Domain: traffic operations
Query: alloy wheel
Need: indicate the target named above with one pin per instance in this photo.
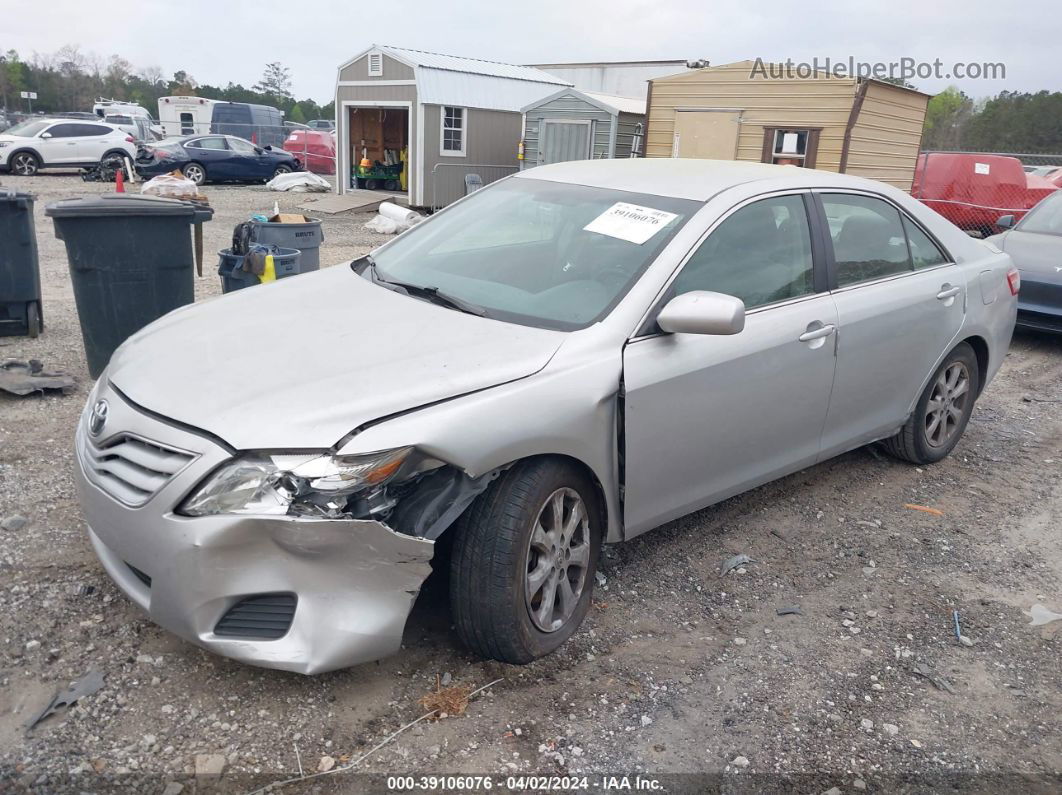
(24, 164)
(195, 173)
(558, 559)
(947, 404)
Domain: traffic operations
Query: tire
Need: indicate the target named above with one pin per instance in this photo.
(33, 320)
(282, 169)
(195, 172)
(115, 153)
(391, 185)
(24, 164)
(942, 412)
(372, 184)
(497, 610)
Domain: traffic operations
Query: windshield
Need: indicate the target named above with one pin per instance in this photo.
(1045, 218)
(27, 129)
(540, 253)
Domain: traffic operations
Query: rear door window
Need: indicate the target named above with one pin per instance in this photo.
(924, 252)
(64, 130)
(868, 238)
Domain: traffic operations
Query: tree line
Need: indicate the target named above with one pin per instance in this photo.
(72, 80)
(1011, 121)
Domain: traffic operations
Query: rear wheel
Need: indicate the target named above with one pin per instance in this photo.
(195, 172)
(24, 164)
(33, 320)
(942, 412)
(523, 561)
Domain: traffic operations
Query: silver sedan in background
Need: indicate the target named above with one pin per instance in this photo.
(569, 357)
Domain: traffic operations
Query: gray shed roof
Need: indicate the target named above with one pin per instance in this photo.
(454, 63)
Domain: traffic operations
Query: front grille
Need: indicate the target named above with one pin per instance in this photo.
(131, 469)
(263, 617)
(144, 578)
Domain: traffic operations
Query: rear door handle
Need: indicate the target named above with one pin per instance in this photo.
(949, 292)
(817, 334)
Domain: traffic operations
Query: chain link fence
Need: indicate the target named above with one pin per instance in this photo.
(974, 190)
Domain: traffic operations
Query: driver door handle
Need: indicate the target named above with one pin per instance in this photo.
(817, 334)
(950, 292)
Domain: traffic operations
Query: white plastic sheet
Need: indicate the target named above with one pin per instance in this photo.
(300, 182)
(393, 219)
(170, 186)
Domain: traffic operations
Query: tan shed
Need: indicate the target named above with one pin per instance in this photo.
(851, 125)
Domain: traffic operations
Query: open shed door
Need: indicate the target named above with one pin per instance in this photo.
(564, 140)
(711, 134)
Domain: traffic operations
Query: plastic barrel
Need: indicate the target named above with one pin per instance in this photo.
(306, 237)
(233, 277)
(20, 279)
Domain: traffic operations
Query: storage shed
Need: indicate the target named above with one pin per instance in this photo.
(850, 125)
(582, 125)
(443, 116)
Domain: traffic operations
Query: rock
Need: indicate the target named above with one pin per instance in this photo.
(12, 523)
(859, 784)
(891, 729)
(209, 764)
(646, 720)
(446, 679)
(866, 652)
(916, 744)
(739, 761)
(173, 788)
(434, 750)
(867, 724)
(148, 740)
(167, 709)
(326, 764)
(577, 751)
(833, 791)
(740, 641)
(145, 659)
(33, 645)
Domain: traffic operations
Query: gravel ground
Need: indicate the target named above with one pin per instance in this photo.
(679, 674)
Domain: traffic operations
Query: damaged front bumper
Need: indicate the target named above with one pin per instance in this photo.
(294, 593)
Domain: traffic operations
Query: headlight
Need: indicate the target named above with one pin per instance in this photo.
(313, 484)
(4, 143)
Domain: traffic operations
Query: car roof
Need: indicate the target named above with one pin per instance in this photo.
(684, 178)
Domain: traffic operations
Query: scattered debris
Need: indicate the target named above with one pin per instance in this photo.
(792, 610)
(924, 509)
(444, 701)
(300, 182)
(85, 686)
(740, 761)
(1031, 399)
(23, 378)
(602, 580)
(209, 764)
(965, 641)
(939, 682)
(16, 522)
(1040, 615)
(326, 764)
(733, 563)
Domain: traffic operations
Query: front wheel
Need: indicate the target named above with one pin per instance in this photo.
(523, 562)
(25, 164)
(281, 170)
(942, 412)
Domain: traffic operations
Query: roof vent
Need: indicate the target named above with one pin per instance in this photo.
(375, 64)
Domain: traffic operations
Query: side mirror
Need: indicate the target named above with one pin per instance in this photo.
(1005, 221)
(258, 150)
(702, 312)
(46, 135)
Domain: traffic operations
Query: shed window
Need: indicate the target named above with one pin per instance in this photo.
(452, 137)
(788, 146)
(375, 64)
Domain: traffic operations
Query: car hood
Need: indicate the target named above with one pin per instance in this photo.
(302, 362)
(1037, 256)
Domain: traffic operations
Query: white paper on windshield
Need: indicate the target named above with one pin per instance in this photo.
(981, 168)
(630, 222)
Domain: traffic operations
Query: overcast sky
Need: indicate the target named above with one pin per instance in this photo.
(218, 41)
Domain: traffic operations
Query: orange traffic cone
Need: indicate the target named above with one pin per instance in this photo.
(119, 181)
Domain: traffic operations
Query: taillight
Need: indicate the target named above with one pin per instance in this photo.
(130, 139)
(1014, 280)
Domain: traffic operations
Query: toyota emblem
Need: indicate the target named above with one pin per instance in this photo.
(98, 418)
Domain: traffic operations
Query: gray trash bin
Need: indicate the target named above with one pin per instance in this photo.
(234, 277)
(20, 279)
(131, 262)
(306, 237)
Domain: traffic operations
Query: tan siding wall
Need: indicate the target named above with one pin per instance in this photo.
(392, 70)
(824, 103)
(493, 136)
(887, 135)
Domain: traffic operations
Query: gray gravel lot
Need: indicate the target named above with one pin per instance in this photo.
(677, 670)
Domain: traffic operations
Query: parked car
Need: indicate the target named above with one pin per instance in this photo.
(322, 124)
(314, 149)
(1035, 245)
(34, 144)
(568, 357)
(214, 158)
(973, 190)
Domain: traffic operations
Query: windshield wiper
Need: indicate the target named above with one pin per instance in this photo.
(432, 294)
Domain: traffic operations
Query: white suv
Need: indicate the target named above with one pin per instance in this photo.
(61, 143)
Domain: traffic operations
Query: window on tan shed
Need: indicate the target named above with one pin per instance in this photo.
(790, 146)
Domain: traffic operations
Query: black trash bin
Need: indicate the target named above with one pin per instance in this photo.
(131, 262)
(20, 278)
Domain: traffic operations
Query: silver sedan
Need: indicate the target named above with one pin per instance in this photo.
(569, 357)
